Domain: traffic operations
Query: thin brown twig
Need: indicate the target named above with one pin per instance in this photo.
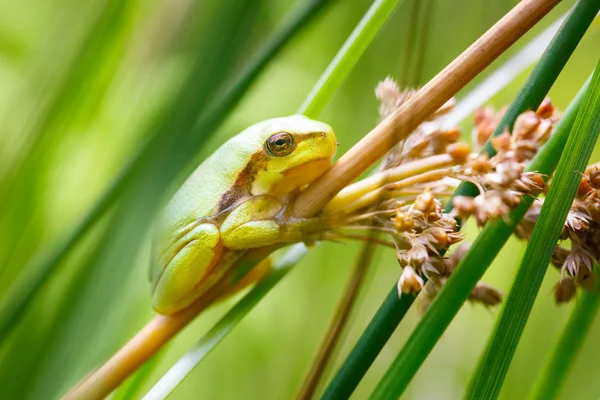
(101, 382)
(423, 104)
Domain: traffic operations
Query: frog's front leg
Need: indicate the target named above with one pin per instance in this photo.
(252, 224)
(257, 223)
(192, 259)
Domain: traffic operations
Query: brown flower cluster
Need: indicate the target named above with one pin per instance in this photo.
(501, 179)
(410, 211)
(581, 231)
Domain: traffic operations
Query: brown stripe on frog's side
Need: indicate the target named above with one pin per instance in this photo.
(243, 184)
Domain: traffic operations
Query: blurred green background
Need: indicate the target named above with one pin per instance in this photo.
(83, 85)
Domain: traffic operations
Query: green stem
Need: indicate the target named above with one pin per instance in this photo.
(370, 343)
(347, 56)
(489, 376)
(554, 374)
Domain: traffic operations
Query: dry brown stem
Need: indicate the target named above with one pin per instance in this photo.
(422, 104)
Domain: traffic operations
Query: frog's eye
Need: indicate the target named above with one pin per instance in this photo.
(280, 144)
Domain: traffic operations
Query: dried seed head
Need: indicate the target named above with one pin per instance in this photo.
(481, 164)
(593, 209)
(464, 206)
(459, 152)
(388, 93)
(417, 256)
(425, 202)
(586, 279)
(457, 255)
(526, 125)
(533, 183)
(577, 222)
(593, 174)
(485, 294)
(451, 135)
(485, 122)
(409, 282)
(403, 221)
(565, 290)
(440, 237)
(585, 188)
(559, 256)
(525, 150)
(546, 109)
(502, 142)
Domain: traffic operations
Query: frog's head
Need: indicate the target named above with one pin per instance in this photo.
(290, 153)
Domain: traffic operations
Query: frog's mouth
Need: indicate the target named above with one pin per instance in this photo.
(301, 175)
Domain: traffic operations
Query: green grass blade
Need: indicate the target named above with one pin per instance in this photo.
(40, 270)
(225, 325)
(347, 56)
(571, 339)
(489, 377)
(471, 268)
(368, 346)
(92, 300)
(530, 96)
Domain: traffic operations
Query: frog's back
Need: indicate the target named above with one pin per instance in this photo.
(200, 195)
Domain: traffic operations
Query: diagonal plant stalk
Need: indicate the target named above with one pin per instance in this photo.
(393, 309)
(431, 97)
(348, 55)
(489, 376)
(422, 104)
(571, 339)
(16, 302)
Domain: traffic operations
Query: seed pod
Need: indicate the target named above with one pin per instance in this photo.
(593, 209)
(526, 125)
(565, 290)
(559, 256)
(486, 294)
(501, 143)
(440, 237)
(403, 221)
(593, 174)
(409, 282)
(425, 202)
(546, 109)
(417, 256)
(464, 206)
(459, 152)
(584, 189)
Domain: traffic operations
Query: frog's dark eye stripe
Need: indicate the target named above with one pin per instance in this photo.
(280, 144)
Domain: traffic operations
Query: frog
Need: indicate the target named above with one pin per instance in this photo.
(238, 199)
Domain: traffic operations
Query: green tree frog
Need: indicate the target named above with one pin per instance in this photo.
(236, 200)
